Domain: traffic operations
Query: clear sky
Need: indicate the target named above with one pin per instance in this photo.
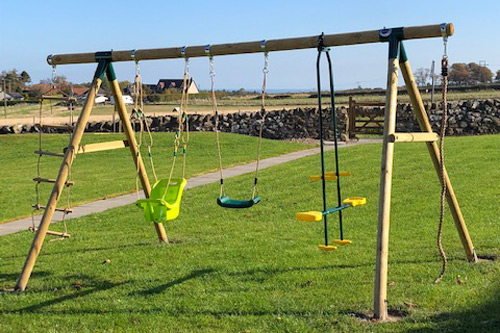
(31, 30)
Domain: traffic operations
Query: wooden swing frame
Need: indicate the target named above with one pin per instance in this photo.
(397, 60)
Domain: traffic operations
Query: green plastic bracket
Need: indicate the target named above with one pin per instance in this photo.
(110, 72)
(101, 69)
(402, 54)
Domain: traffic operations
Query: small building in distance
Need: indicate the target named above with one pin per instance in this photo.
(173, 84)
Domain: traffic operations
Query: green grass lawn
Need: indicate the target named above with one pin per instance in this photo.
(259, 269)
(109, 173)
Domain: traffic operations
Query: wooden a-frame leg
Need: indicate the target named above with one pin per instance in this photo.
(384, 209)
(41, 232)
(425, 126)
(129, 132)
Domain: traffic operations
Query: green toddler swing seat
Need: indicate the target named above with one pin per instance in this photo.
(160, 206)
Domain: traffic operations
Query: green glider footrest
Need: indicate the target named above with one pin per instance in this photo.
(227, 202)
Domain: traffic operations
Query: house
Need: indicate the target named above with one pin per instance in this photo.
(165, 84)
(16, 96)
(82, 96)
(174, 84)
(5, 96)
(80, 91)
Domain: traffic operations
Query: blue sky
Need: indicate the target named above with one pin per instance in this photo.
(33, 29)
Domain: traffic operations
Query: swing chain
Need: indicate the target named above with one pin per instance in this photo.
(54, 75)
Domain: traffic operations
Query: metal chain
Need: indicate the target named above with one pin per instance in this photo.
(442, 134)
(54, 76)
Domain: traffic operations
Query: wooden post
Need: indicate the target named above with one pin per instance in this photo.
(37, 243)
(425, 126)
(384, 209)
(351, 118)
(129, 132)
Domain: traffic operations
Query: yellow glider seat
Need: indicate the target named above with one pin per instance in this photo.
(330, 175)
(316, 216)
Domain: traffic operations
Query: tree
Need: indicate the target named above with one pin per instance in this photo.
(124, 85)
(25, 77)
(497, 77)
(480, 74)
(459, 74)
(422, 76)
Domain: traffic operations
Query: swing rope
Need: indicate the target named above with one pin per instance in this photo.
(263, 115)
(216, 117)
(442, 134)
(262, 120)
(139, 115)
(182, 133)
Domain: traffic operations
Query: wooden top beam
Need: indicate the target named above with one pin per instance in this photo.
(350, 38)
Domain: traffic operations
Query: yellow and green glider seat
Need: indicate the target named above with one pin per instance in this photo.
(160, 206)
(316, 216)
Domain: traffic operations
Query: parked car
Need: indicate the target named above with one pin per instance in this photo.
(127, 99)
(101, 100)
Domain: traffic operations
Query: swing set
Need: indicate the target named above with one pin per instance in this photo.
(163, 198)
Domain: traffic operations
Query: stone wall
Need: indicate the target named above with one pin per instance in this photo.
(465, 118)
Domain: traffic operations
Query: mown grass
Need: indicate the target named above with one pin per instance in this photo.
(109, 173)
(259, 269)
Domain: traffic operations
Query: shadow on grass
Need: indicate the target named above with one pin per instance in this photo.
(275, 271)
(82, 250)
(100, 286)
(161, 288)
(12, 277)
(483, 318)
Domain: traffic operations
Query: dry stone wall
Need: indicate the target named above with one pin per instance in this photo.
(465, 118)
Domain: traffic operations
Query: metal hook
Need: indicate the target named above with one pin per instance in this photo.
(445, 40)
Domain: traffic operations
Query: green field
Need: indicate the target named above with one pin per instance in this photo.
(259, 270)
(104, 174)
(250, 102)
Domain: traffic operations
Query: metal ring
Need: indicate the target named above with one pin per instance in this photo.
(207, 50)
(183, 51)
(132, 54)
(384, 33)
(50, 58)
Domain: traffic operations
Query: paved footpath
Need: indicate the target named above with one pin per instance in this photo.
(127, 199)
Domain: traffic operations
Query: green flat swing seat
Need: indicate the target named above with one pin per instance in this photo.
(227, 202)
(160, 206)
